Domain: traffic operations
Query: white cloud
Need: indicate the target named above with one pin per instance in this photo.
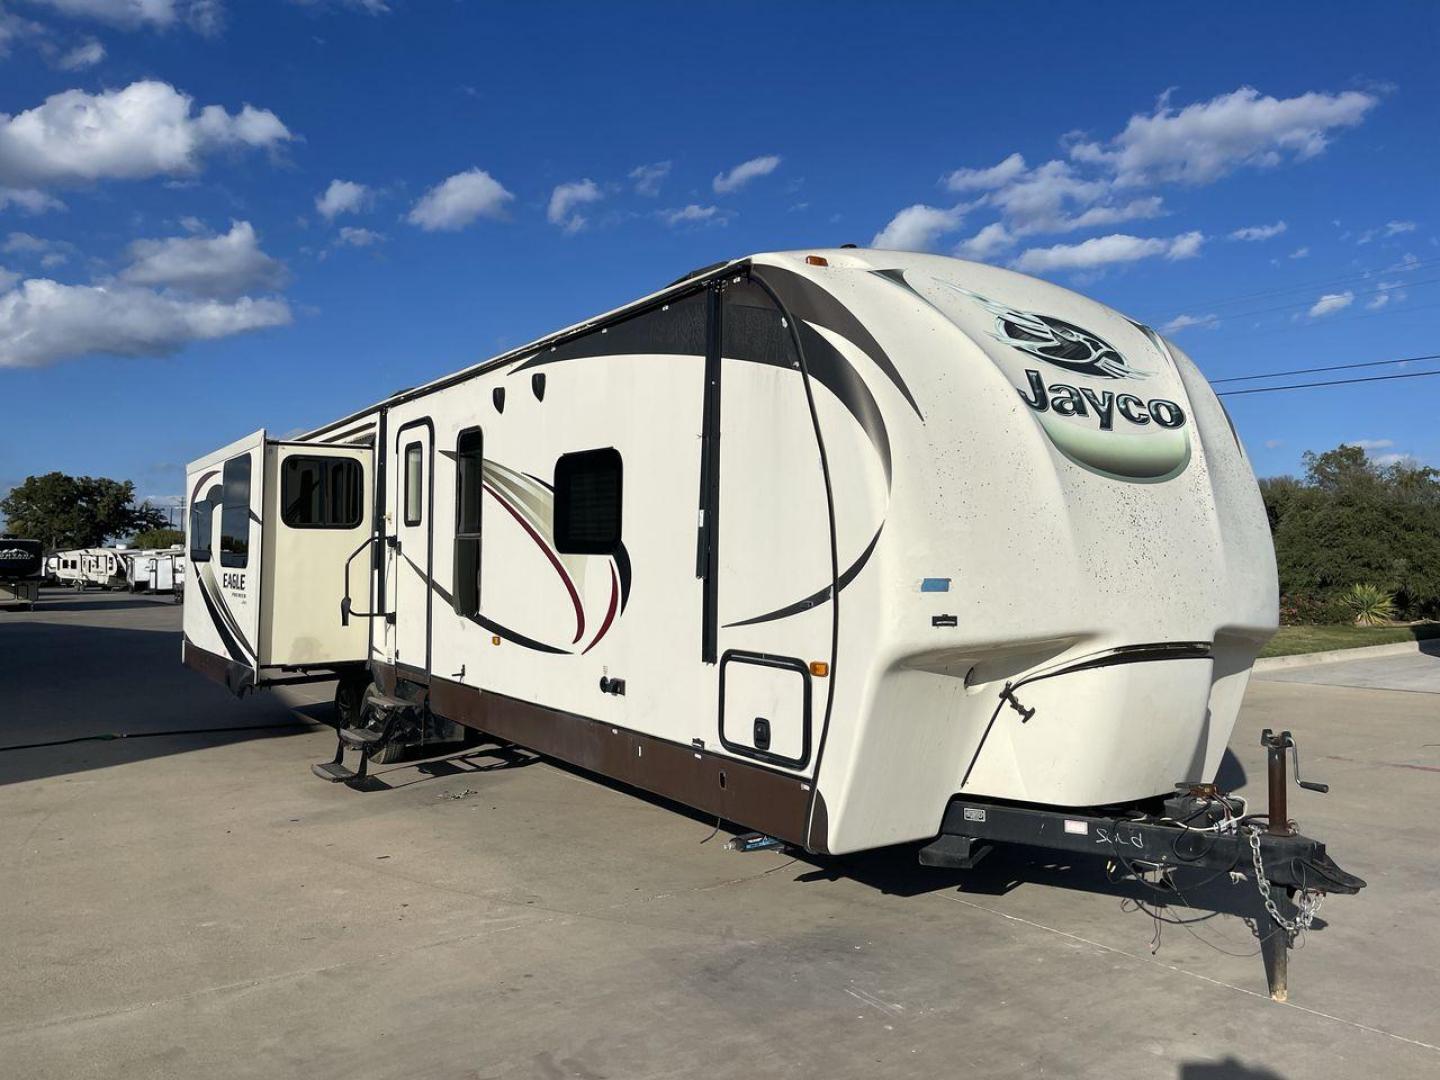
(147, 129)
(458, 201)
(1300, 253)
(1204, 141)
(24, 243)
(370, 7)
(988, 241)
(1386, 231)
(1274, 444)
(746, 171)
(353, 237)
(1106, 250)
(693, 214)
(1371, 444)
(44, 321)
(565, 201)
(203, 16)
(82, 56)
(648, 178)
(916, 228)
(29, 200)
(1331, 303)
(985, 179)
(342, 197)
(7, 279)
(1186, 322)
(226, 265)
(1259, 232)
(1386, 460)
(1385, 292)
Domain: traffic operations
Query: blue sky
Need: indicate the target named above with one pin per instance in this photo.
(180, 265)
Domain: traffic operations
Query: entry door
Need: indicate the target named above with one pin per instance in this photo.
(412, 547)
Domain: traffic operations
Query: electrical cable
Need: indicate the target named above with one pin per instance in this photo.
(1335, 382)
(1330, 367)
(114, 736)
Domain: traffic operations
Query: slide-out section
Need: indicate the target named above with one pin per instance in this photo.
(269, 529)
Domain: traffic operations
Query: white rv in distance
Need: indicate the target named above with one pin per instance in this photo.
(155, 571)
(832, 544)
(104, 568)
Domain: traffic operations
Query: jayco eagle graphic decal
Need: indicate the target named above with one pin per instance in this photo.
(1056, 341)
(1107, 412)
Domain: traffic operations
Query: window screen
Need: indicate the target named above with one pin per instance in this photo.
(588, 502)
(414, 484)
(235, 513)
(321, 492)
(469, 487)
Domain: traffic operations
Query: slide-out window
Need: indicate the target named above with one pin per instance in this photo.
(235, 513)
(588, 496)
(414, 484)
(321, 492)
(469, 486)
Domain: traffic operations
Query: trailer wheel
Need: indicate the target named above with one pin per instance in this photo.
(350, 706)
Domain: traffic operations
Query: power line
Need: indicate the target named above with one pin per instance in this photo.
(1333, 382)
(1332, 367)
(1239, 298)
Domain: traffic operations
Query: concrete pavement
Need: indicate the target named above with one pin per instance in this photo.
(199, 905)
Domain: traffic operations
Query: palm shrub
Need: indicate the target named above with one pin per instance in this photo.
(1370, 604)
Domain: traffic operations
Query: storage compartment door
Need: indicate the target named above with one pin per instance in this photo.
(765, 707)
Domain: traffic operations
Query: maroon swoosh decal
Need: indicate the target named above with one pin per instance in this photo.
(554, 561)
(609, 615)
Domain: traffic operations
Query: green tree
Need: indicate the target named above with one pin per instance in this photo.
(76, 511)
(1351, 521)
(158, 538)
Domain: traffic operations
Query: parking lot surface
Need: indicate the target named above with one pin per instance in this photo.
(198, 905)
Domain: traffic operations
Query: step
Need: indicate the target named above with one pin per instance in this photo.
(361, 737)
(333, 771)
(385, 701)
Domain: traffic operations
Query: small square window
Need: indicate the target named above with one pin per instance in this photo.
(588, 502)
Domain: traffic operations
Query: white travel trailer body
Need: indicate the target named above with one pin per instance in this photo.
(818, 542)
(157, 571)
(106, 568)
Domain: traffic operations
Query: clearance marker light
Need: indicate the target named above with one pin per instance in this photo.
(494, 639)
(819, 668)
(817, 260)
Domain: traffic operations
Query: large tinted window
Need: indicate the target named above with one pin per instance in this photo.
(235, 513)
(414, 484)
(588, 497)
(202, 524)
(469, 487)
(321, 492)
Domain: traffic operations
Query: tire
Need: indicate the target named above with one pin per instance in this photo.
(350, 696)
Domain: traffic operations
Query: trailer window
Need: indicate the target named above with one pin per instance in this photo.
(414, 477)
(235, 513)
(588, 490)
(321, 492)
(469, 486)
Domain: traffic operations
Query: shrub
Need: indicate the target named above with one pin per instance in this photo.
(1370, 604)
(1313, 609)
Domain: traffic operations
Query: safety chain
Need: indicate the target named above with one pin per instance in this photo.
(1309, 902)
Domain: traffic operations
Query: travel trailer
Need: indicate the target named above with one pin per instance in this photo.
(22, 565)
(105, 568)
(158, 571)
(854, 548)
